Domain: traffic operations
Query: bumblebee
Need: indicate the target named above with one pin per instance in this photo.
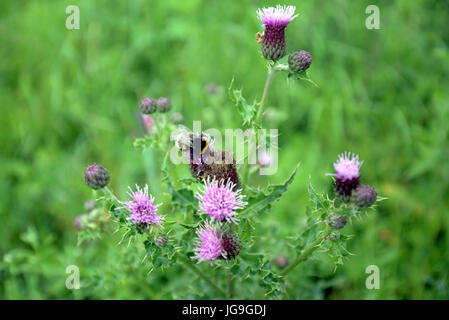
(192, 143)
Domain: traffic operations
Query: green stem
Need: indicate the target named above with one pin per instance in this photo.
(198, 272)
(108, 191)
(230, 284)
(266, 89)
(307, 252)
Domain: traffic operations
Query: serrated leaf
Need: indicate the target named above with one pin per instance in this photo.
(263, 200)
(246, 110)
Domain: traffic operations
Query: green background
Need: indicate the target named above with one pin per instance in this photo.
(69, 98)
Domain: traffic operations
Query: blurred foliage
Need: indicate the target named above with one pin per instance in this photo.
(69, 98)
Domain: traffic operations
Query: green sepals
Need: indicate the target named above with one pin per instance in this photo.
(303, 75)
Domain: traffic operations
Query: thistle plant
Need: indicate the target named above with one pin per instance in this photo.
(208, 222)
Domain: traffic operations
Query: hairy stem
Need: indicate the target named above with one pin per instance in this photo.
(266, 89)
(305, 254)
(198, 272)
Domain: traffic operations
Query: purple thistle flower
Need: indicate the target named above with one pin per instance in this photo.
(147, 122)
(141, 208)
(275, 20)
(347, 172)
(209, 244)
(220, 201)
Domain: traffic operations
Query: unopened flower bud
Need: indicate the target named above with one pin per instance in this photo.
(161, 241)
(90, 205)
(78, 222)
(96, 176)
(148, 105)
(163, 104)
(299, 61)
(231, 245)
(176, 118)
(337, 221)
(364, 195)
(334, 236)
(281, 261)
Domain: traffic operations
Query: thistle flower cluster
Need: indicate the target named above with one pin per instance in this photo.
(273, 43)
(347, 181)
(220, 202)
(150, 105)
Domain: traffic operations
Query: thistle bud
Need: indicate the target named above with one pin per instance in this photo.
(147, 123)
(90, 205)
(96, 176)
(364, 196)
(281, 261)
(161, 241)
(163, 104)
(334, 236)
(337, 221)
(78, 221)
(231, 245)
(299, 61)
(148, 105)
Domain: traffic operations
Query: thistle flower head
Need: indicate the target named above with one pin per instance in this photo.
(96, 176)
(90, 205)
(161, 241)
(281, 261)
(209, 243)
(231, 245)
(299, 61)
(364, 196)
(280, 16)
(275, 20)
(141, 208)
(347, 172)
(163, 104)
(337, 221)
(148, 105)
(147, 122)
(219, 200)
(79, 221)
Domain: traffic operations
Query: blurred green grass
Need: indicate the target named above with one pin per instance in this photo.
(68, 98)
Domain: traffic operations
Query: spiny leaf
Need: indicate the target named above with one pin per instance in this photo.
(263, 201)
(246, 110)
